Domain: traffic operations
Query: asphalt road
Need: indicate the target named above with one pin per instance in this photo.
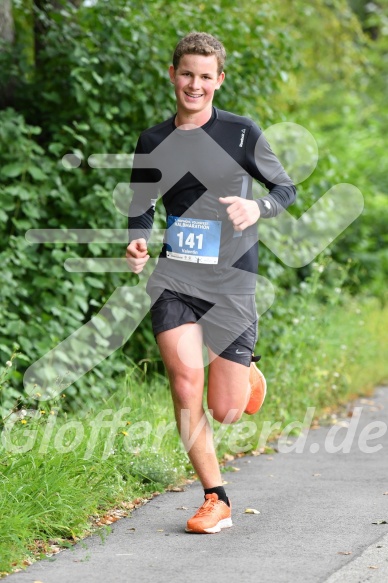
(316, 522)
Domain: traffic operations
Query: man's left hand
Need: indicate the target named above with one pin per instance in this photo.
(242, 212)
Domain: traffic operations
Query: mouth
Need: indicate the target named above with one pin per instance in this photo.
(194, 95)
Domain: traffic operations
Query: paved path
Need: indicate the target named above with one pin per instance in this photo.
(313, 507)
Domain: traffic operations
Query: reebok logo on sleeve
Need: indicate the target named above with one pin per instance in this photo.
(242, 138)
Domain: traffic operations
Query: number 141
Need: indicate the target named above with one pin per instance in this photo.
(190, 240)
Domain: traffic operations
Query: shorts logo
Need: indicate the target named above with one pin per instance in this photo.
(238, 352)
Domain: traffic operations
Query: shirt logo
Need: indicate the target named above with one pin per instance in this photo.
(242, 138)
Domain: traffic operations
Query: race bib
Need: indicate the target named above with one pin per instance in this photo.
(194, 240)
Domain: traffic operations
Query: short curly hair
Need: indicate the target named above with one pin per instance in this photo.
(200, 43)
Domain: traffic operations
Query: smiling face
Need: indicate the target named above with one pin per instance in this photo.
(195, 81)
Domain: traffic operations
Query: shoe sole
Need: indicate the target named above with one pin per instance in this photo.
(265, 393)
(265, 390)
(225, 523)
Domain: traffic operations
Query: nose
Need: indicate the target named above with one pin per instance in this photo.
(195, 82)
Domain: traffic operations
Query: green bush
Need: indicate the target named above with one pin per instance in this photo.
(99, 77)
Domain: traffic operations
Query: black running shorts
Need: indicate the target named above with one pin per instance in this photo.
(229, 322)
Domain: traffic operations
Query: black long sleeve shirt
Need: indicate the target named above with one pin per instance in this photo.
(190, 170)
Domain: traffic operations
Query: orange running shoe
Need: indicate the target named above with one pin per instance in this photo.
(213, 515)
(258, 390)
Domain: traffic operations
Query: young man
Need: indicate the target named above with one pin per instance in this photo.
(202, 161)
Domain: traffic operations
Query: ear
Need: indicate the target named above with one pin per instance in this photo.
(220, 80)
(171, 72)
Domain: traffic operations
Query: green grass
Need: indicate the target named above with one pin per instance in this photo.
(319, 355)
(48, 493)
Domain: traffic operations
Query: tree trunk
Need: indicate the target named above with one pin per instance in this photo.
(7, 35)
(7, 32)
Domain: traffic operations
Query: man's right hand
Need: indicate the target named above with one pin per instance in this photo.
(137, 255)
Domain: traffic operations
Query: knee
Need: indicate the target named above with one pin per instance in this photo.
(224, 414)
(186, 388)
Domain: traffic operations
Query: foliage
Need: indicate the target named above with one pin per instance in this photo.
(350, 133)
(341, 100)
(96, 79)
(40, 302)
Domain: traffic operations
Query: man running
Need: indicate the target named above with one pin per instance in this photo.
(202, 162)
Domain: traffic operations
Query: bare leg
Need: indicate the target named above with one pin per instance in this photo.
(187, 384)
(228, 390)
